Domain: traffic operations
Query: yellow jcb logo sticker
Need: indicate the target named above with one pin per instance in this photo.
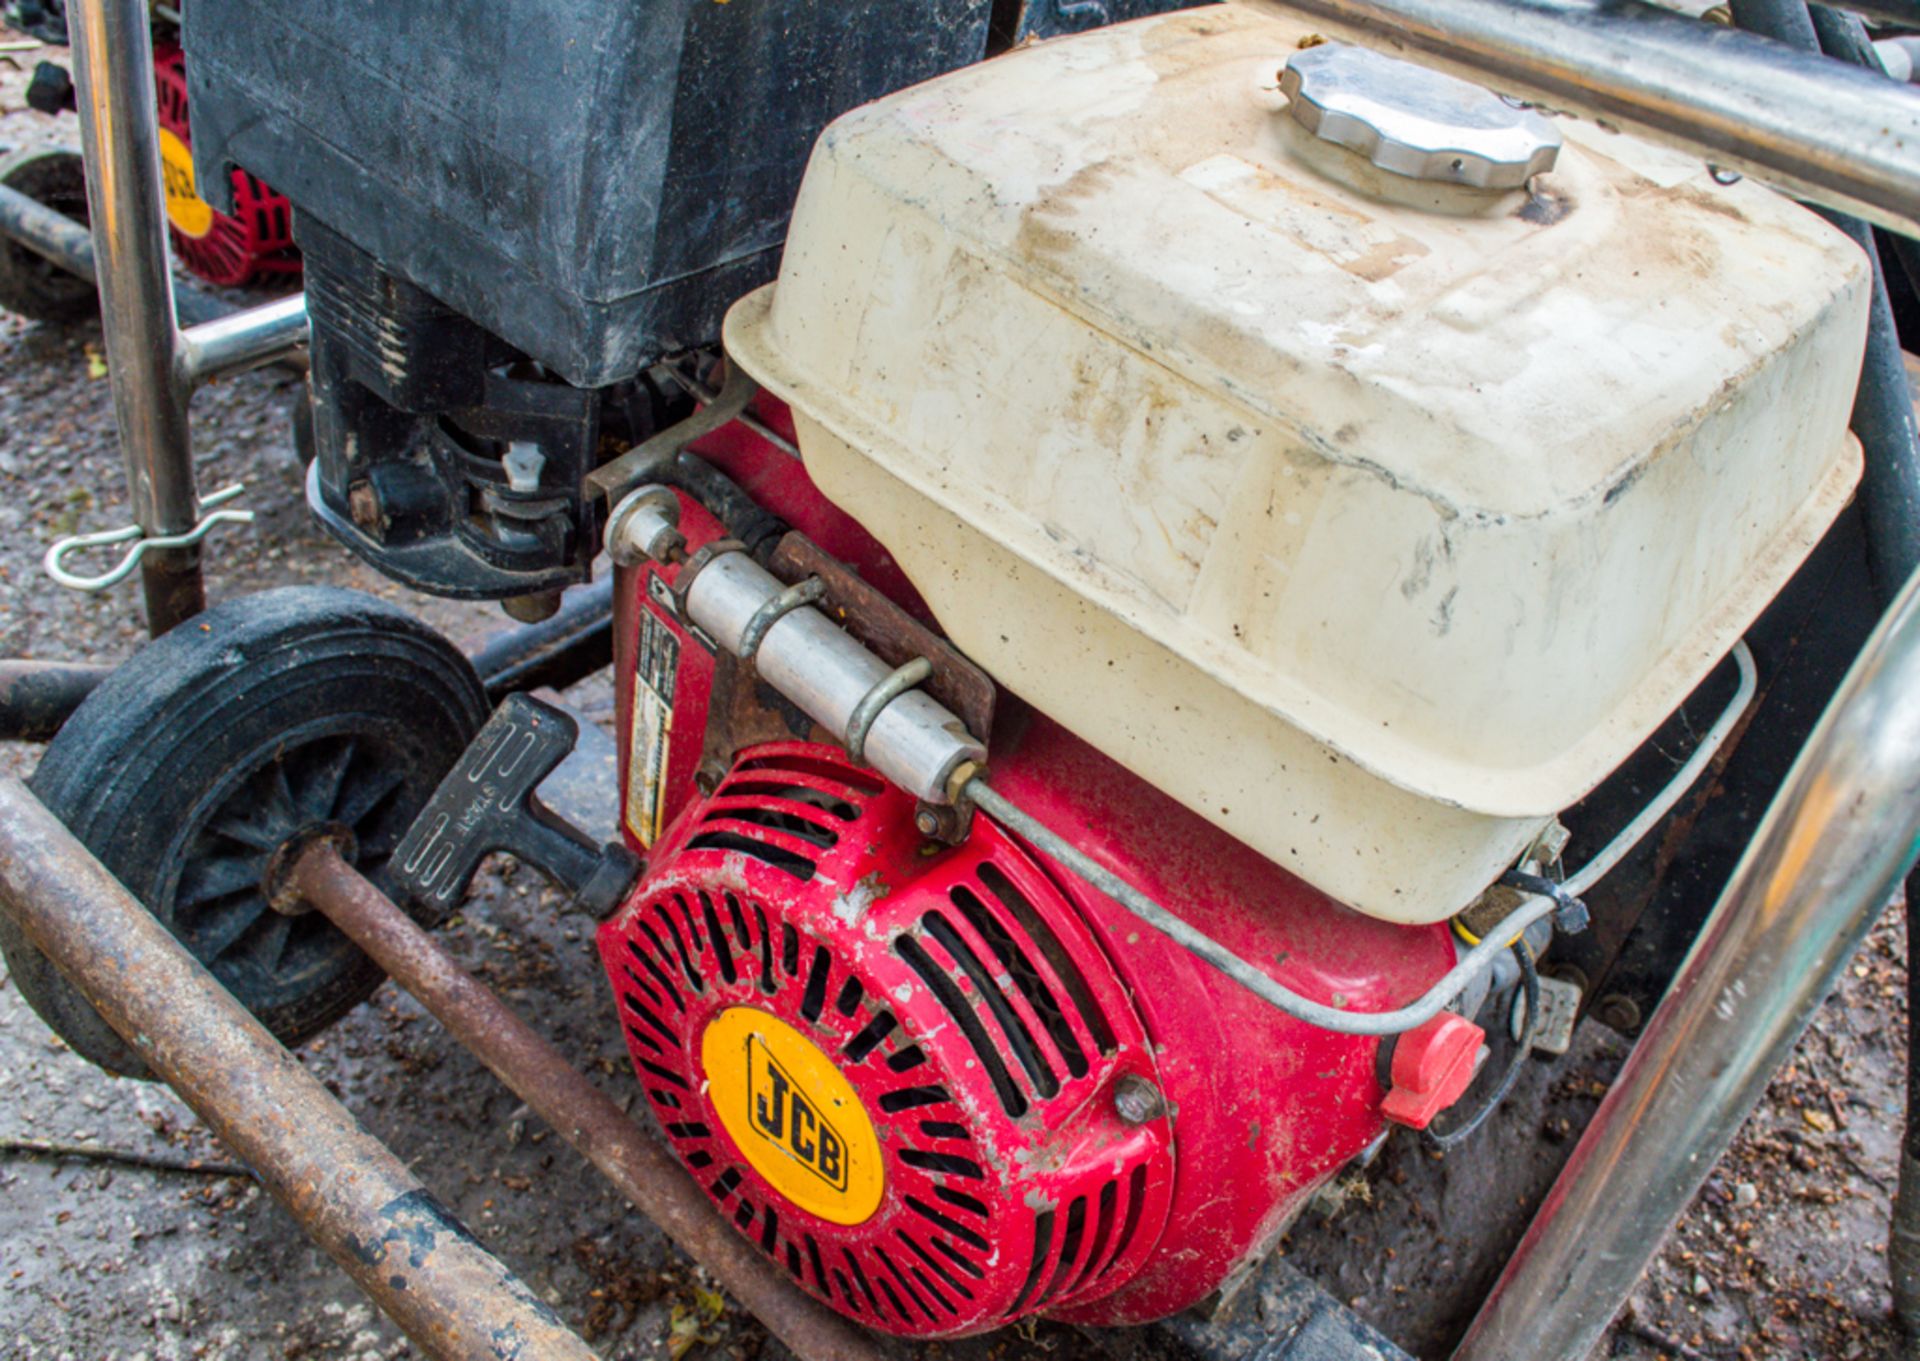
(784, 1115)
(793, 1115)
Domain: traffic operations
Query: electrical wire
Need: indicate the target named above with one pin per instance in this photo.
(1442, 1140)
(1683, 779)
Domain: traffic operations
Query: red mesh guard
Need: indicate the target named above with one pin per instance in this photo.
(979, 1024)
(257, 240)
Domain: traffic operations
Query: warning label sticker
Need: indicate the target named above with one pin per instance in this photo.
(656, 664)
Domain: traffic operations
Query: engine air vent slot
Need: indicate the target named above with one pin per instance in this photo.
(948, 993)
(1034, 927)
(749, 842)
(854, 781)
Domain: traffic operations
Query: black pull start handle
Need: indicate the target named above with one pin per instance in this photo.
(487, 803)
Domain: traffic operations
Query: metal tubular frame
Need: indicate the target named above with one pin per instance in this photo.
(1818, 129)
(37, 697)
(346, 1189)
(1836, 842)
(579, 1112)
(154, 366)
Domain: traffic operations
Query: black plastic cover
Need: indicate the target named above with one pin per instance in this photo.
(594, 181)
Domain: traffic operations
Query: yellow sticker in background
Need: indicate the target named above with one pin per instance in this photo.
(793, 1114)
(190, 214)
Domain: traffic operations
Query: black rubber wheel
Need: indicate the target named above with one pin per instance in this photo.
(264, 719)
(29, 284)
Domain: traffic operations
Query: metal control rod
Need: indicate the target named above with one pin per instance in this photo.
(1819, 129)
(577, 1110)
(1836, 842)
(925, 749)
(152, 365)
(346, 1189)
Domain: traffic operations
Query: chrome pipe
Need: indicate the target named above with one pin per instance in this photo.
(1818, 129)
(1838, 839)
(114, 83)
(243, 340)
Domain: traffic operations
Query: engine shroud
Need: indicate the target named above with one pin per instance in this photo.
(893, 1064)
(255, 240)
(1263, 1108)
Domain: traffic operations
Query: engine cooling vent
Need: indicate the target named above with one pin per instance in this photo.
(890, 1065)
(256, 240)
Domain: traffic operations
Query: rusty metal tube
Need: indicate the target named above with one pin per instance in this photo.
(346, 1189)
(578, 1111)
(54, 236)
(37, 697)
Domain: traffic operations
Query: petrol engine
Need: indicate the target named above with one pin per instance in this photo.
(941, 1080)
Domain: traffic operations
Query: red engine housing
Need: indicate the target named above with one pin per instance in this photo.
(1012, 997)
(257, 240)
(981, 1029)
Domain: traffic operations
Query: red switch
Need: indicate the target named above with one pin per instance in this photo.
(1432, 1065)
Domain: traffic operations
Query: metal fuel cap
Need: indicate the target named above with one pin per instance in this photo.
(1416, 122)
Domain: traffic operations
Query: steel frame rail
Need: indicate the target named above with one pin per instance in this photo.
(153, 364)
(346, 1189)
(1839, 838)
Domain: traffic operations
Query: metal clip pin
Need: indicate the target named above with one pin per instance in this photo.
(867, 712)
(777, 608)
(54, 562)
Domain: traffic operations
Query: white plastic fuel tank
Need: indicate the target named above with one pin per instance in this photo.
(1297, 440)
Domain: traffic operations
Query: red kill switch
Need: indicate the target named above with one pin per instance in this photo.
(1432, 1065)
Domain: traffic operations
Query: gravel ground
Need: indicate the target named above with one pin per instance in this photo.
(1782, 1255)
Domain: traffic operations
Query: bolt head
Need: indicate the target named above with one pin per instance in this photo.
(1136, 1100)
(363, 505)
(1619, 1012)
(925, 820)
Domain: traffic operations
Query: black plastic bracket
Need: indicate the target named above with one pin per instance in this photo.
(487, 803)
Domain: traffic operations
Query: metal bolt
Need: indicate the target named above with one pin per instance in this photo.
(1136, 1100)
(1619, 1012)
(363, 504)
(1569, 973)
(927, 822)
(532, 607)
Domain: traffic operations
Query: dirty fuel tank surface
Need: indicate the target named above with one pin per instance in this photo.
(1374, 517)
